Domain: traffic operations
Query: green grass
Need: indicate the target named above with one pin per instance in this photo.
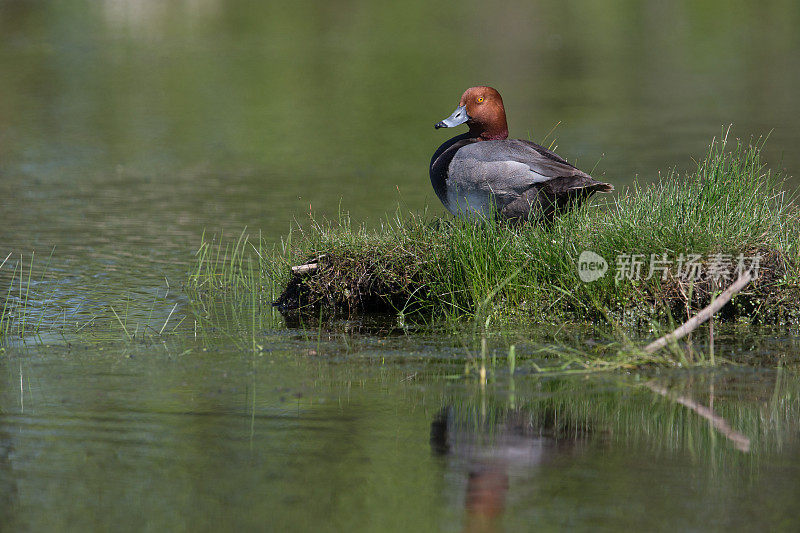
(18, 317)
(451, 268)
(30, 309)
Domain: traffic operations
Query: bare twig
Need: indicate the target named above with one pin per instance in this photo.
(6, 259)
(701, 317)
(168, 317)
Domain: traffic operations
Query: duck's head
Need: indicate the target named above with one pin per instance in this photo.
(482, 110)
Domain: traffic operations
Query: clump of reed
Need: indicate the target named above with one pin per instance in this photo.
(417, 265)
(19, 317)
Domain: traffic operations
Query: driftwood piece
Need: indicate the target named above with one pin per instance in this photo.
(701, 317)
(301, 270)
(308, 267)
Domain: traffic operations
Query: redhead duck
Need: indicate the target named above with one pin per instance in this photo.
(483, 169)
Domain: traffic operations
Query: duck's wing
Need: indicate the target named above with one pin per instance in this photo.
(565, 177)
(507, 168)
(541, 150)
(515, 157)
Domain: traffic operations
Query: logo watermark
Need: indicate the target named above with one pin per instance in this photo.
(686, 267)
(591, 266)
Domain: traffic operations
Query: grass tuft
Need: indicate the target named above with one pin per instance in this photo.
(451, 268)
(19, 317)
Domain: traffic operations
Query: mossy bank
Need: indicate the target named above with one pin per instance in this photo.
(658, 249)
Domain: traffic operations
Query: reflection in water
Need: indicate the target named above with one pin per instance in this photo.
(485, 451)
(740, 442)
(147, 18)
(343, 440)
(499, 449)
(8, 484)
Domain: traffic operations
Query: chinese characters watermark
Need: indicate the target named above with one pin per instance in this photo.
(687, 267)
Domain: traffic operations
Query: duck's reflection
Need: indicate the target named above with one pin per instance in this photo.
(8, 486)
(486, 442)
(485, 449)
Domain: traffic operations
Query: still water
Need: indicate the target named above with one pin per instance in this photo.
(128, 128)
(378, 437)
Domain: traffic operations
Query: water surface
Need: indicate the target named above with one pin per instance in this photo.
(375, 437)
(129, 128)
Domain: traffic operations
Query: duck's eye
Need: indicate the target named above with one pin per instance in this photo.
(480, 99)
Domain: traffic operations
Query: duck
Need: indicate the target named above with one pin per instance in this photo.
(483, 173)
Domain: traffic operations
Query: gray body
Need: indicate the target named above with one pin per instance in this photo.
(517, 179)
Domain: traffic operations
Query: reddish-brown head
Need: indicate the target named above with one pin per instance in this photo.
(482, 109)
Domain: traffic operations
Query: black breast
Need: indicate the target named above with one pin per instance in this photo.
(441, 161)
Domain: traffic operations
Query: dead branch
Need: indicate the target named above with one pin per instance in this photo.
(701, 317)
